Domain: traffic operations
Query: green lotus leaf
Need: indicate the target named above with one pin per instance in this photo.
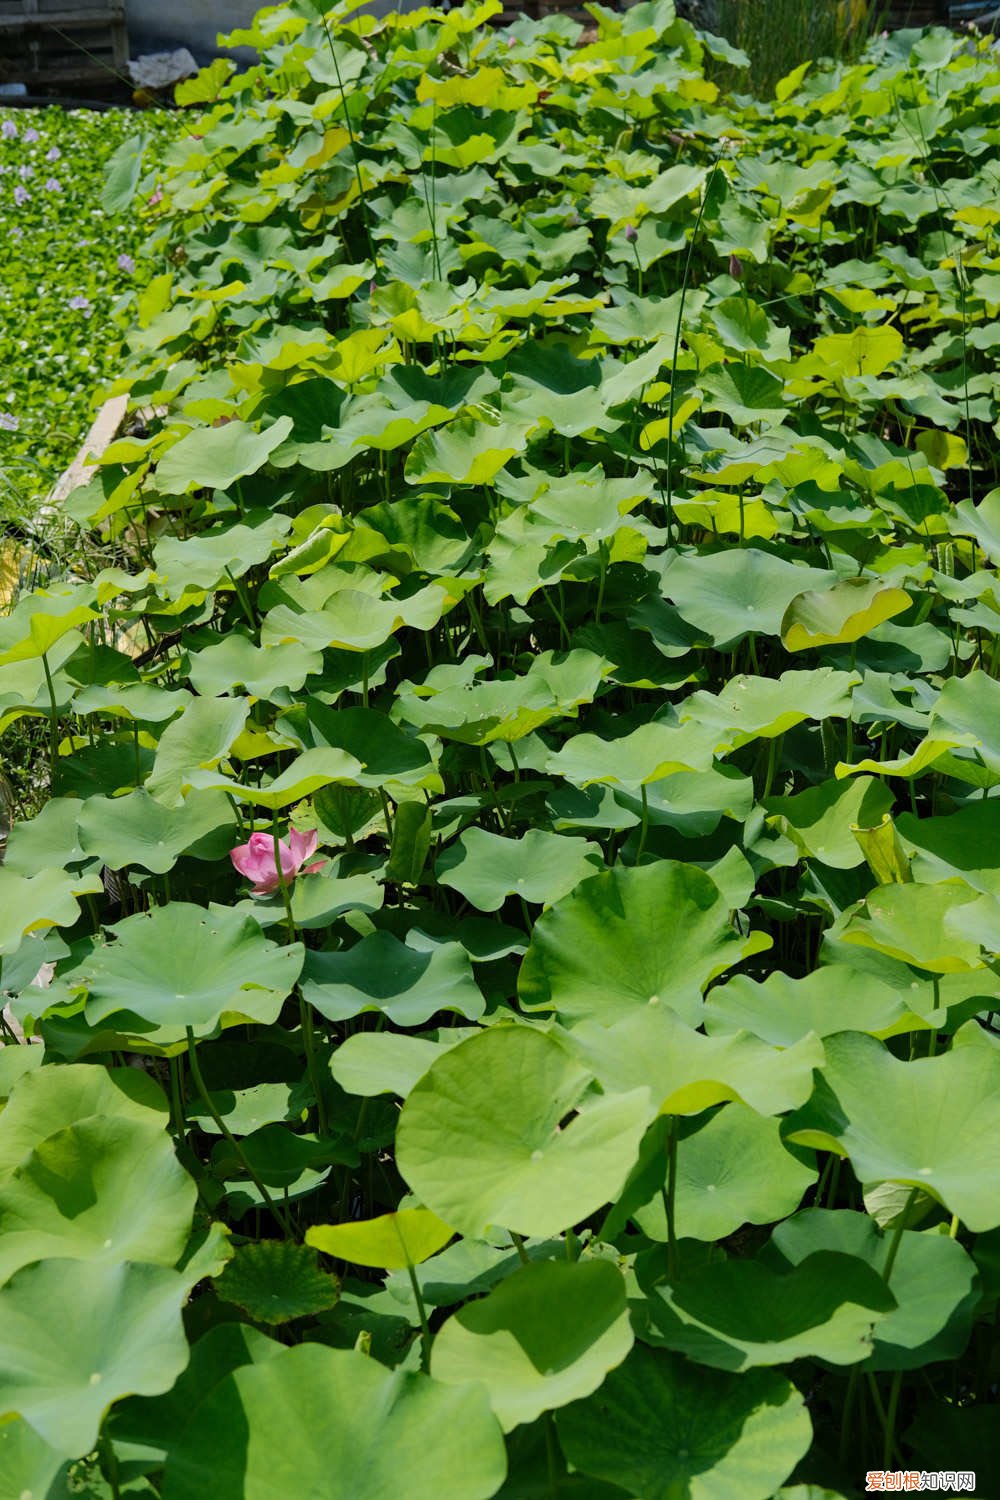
(665, 1428)
(734, 1170)
(406, 984)
(193, 745)
(47, 840)
(308, 773)
(480, 1139)
(467, 451)
(210, 558)
(742, 591)
(505, 708)
(138, 830)
(32, 903)
(104, 1188)
(928, 1123)
(647, 755)
(354, 621)
(782, 1010)
(539, 867)
(385, 752)
(750, 708)
(28, 1466)
(371, 1063)
(846, 612)
(819, 820)
(746, 328)
(740, 1314)
(181, 966)
(933, 1280)
(863, 351)
(965, 844)
(333, 1422)
(216, 457)
(686, 1072)
(746, 393)
(49, 1100)
(262, 670)
(390, 1242)
(246, 1110)
(547, 1335)
(276, 1281)
(628, 939)
(78, 1335)
(919, 925)
(39, 620)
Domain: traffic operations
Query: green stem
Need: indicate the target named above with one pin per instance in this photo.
(425, 1329)
(522, 1253)
(897, 1235)
(890, 1417)
(670, 1200)
(644, 826)
(53, 719)
(309, 1040)
(177, 1096)
(231, 1140)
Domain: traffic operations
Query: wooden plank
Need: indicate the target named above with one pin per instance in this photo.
(103, 432)
(94, 15)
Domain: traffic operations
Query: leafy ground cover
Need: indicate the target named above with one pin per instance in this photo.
(66, 263)
(523, 800)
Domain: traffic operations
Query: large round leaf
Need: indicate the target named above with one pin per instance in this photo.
(781, 1010)
(391, 1241)
(544, 1337)
(686, 1072)
(382, 974)
(932, 1123)
(77, 1335)
(933, 1280)
(138, 830)
(105, 1188)
(336, 1424)
(540, 867)
(668, 1430)
(483, 1139)
(737, 1314)
(732, 1171)
(648, 935)
(845, 612)
(50, 1099)
(183, 966)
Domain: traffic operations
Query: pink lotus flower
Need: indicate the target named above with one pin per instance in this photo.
(255, 859)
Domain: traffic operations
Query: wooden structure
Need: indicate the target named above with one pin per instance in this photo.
(50, 43)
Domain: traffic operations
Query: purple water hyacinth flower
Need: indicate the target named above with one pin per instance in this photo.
(21, 195)
(8, 130)
(24, 172)
(8, 421)
(53, 153)
(31, 135)
(53, 185)
(80, 304)
(631, 233)
(125, 263)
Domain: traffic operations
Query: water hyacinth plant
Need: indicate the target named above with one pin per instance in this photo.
(557, 568)
(62, 277)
